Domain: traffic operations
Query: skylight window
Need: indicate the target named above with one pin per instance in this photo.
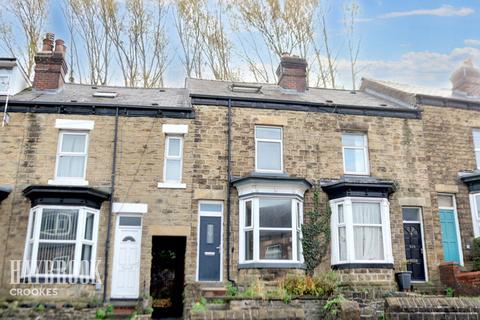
(105, 94)
(246, 88)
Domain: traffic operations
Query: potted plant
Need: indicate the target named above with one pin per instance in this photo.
(404, 277)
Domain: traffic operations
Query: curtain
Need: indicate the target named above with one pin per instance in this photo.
(71, 166)
(368, 239)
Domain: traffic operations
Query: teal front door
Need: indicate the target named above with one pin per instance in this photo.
(449, 235)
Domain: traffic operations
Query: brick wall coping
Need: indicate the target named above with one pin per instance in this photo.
(432, 304)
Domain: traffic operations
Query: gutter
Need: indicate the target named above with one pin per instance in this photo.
(110, 212)
(202, 99)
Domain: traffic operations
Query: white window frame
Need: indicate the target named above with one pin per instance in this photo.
(348, 221)
(475, 209)
(210, 214)
(366, 170)
(476, 148)
(7, 92)
(457, 225)
(420, 220)
(29, 266)
(71, 180)
(268, 140)
(256, 230)
(167, 157)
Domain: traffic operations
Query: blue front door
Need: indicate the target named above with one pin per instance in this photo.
(449, 235)
(209, 249)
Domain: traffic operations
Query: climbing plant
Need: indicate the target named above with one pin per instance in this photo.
(316, 233)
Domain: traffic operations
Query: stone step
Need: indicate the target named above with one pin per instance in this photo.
(211, 292)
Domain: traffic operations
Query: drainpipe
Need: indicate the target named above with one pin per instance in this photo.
(229, 180)
(110, 212)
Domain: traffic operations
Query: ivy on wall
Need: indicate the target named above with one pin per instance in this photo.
(316, 233)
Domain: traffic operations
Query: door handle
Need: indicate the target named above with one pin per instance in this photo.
(218, 248)
(209, 253)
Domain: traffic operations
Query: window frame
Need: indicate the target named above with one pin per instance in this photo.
(349, 230)
(29, 269)
(365, 153)
(168, 157)
(476, 148)
(7, 91)
(257, 169)
(475, 209)
(294, 229)
(61, 153)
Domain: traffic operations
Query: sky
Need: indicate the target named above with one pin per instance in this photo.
(414, 42)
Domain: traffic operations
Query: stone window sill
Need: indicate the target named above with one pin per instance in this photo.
(66, 182)
(271, 265)
(171, 185)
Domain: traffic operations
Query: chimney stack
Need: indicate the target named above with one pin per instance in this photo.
(466, 80)
(50, 66)
(292, 73)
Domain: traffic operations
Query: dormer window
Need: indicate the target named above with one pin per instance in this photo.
(268, 149)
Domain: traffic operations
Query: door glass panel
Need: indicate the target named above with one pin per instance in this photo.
(210, 233)
(128, 238)
(210, 207)
(445, 201)
(130, 221)
(411, 214)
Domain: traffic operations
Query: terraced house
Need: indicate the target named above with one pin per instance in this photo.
(116, 193)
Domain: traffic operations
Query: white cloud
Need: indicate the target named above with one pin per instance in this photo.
(472, 42)
(423, 68)
(443, 11)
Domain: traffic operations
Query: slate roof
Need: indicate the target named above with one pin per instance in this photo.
(274, 93)
(83, 94)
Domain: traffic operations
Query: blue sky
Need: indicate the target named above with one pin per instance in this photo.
(417, 42)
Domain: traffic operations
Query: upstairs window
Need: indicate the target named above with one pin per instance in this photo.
(355, 153)
(476, 145)
(268, 149)
(71, 156)
(173, 159)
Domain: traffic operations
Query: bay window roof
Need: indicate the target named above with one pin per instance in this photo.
(65, 195)
(471, 179)
(4, 191)
(358, 186)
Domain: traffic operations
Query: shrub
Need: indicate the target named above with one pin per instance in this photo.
(333, 305)
(232, 290)
(40, 307)
(324, 285)
(109, 309)
(476, 254)
(101, 314)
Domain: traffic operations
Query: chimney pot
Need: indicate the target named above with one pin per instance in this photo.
(60, 46)
(292, 73)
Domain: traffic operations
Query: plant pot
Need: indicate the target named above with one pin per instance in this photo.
(404, 280)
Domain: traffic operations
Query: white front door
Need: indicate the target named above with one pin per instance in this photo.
(126, 258)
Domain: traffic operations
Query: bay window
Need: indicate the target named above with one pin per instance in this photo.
(270, 230)
(61, 241)
(361, 231)
(475, 205)
(476, 145)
